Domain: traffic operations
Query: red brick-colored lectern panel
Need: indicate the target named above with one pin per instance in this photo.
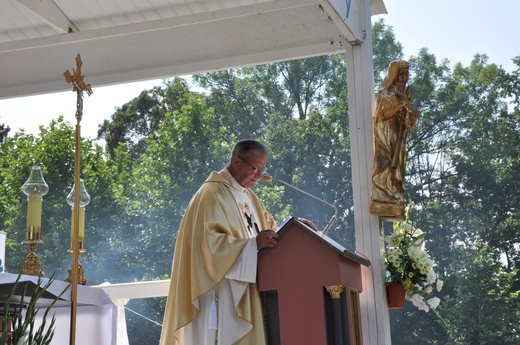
(298, 268)
(303, 258)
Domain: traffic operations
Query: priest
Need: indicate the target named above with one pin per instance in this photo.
(213, 297)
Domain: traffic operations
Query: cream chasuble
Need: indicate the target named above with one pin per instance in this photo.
(213, 297)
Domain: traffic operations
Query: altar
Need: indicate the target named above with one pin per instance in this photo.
(96, 316)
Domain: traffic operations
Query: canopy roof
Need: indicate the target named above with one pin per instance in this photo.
(132, 40)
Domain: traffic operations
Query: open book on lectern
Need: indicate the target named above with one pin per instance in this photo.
(287, 225)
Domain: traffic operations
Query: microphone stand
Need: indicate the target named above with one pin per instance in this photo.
(331, 221)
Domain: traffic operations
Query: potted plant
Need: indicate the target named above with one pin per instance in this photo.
(410, 267)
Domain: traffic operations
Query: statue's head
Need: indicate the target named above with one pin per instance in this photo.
(393, 71)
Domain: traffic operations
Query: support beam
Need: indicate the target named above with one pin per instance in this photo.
(348, 16)
(50, 13)
(361, 100)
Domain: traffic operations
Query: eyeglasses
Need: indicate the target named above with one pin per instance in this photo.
(257, 170)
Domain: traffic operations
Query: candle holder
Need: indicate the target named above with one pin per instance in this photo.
(35, 188)
(84, 200)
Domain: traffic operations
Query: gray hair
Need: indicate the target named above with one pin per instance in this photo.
(244, 147)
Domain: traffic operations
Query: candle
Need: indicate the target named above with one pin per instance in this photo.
(81, 225)
(84, 200)
(34, 213)
(35, 188)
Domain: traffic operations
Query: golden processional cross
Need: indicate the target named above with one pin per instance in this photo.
(76, 272)
(79, 86)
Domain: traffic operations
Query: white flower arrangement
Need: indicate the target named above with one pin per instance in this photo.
(407, 262)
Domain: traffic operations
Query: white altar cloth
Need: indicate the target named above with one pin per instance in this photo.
(96, 314)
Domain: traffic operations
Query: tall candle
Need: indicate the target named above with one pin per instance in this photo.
(81, 225)
(34, 211)
(35, 188)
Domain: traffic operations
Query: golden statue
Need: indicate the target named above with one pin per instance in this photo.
(393, 123)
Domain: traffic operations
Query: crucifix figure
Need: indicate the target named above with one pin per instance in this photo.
(76, 78)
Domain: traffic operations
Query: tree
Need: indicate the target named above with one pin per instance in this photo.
(483, 290)
(3, 132)
(386, 49)
(53, 151)
(463, 173)
(136, 120)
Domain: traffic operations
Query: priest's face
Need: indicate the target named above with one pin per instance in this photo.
(248, 170)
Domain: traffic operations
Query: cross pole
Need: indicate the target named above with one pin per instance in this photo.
(79, 86)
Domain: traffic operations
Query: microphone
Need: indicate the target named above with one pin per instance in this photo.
(267, 178)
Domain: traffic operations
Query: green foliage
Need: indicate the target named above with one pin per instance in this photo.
(485, 291)
(4, 131)
(53, 150)
(463, 171)
(386, 49)
(135, 121)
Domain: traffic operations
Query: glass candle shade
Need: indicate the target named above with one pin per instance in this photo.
(84, 200)
(35, 188)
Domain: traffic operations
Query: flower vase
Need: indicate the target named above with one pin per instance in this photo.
(395, 295)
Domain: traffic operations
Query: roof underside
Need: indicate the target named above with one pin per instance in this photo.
(122, 41)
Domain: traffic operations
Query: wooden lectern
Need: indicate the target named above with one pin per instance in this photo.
(310, 287)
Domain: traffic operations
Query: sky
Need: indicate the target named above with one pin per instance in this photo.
(451, 29)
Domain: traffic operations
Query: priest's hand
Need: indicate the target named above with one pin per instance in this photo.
(309, 224)
(266, 238)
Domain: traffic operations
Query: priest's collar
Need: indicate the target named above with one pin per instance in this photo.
(234, 182)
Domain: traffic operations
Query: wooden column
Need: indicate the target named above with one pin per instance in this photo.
(361, 100)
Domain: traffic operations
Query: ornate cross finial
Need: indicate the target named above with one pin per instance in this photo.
(78, 86)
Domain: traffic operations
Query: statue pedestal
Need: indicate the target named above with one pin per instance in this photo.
(394, 213)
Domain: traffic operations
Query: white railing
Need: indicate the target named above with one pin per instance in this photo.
(146, 289)
(121, 294)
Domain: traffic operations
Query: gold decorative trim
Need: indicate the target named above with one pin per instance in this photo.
(356, 337)
(335, 290)
(32, 265)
